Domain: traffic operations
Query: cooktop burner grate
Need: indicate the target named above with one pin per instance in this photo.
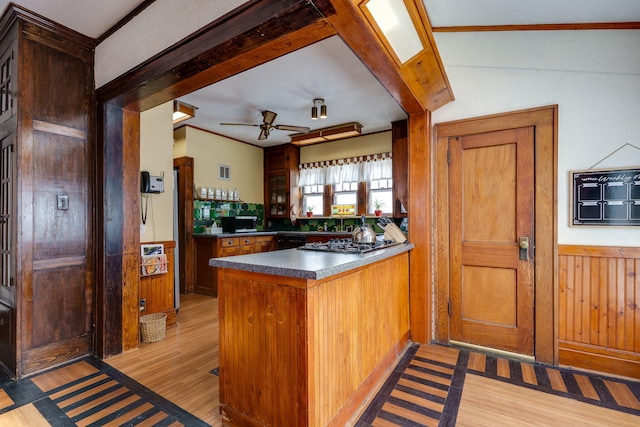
(347, 246)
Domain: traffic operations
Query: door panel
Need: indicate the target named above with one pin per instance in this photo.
(491, 208)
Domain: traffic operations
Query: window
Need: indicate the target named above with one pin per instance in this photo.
(345, 193)
(380, 196)
(346, 181)
(313, 199)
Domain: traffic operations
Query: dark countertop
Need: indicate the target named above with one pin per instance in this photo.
(274, 233)
(227, 235)
(306, 264)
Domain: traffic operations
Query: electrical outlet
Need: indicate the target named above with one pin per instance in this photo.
(143, 304)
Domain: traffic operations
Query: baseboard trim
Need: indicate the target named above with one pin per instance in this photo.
(599, 359)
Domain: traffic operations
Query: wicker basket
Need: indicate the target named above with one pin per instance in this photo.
(152, 326)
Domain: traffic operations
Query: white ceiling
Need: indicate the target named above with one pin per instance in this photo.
(326, 69)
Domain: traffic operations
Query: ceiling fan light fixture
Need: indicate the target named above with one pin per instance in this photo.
(323, 111)
(182, 111)
(314, 113)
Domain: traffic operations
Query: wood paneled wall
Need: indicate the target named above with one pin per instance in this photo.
(158, 290)
(599, 308)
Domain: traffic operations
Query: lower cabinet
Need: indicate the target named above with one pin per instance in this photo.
(207, 247)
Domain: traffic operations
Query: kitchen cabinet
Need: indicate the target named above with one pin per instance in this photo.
(281, 191)
(309, 331)
(400, 154)
(265, 243)
(236, 246)
(207, 247)
(47, 285)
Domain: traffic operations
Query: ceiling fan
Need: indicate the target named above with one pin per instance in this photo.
(268, 117)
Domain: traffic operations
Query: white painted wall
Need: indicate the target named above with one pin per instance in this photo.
(159, 26)
(593, 76)
(156, 157)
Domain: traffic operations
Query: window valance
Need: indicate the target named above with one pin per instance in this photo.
(354, 169)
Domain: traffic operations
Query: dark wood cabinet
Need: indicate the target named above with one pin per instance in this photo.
(281, 191)
(46, 114)
(207, 247)
(400, 152)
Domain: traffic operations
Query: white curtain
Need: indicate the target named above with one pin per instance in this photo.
(312, 174)
(340, 171)
(377, 168)
(357, 169)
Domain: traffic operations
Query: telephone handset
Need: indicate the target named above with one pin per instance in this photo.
(145, 182)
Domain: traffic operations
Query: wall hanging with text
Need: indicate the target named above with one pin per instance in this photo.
(606, 197)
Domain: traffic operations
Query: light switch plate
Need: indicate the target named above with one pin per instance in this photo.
(62, 201)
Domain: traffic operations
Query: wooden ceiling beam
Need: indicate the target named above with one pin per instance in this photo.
(420, 83)
(540, 27)
(247, 37)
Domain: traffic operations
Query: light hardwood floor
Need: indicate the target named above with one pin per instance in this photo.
(484, 403)
(430, 385)
(178, 367)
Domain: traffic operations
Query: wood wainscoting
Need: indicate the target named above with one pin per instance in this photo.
(158, 290)
(599, 308)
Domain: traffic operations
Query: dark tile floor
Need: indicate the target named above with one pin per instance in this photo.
(424, 389)
(89, 392)
(431, 383)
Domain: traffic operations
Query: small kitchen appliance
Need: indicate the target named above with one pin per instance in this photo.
(239, 224)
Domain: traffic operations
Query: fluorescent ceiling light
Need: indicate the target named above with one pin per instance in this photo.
(182, 111)
(327, 134)
(394, 21)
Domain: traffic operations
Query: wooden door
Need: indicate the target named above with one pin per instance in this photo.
(491, 178)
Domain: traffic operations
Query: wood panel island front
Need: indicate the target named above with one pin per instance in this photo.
(305, 336)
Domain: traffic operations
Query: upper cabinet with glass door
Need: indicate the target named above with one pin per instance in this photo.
(281, 191)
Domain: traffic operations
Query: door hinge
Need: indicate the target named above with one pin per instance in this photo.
(449, 308)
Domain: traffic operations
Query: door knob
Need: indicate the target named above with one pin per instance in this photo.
(523, 242)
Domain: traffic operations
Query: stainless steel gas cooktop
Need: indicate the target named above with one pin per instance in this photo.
(347, 246)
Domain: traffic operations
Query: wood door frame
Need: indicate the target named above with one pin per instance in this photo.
(185, 166)
(545, 122)
(250, 35)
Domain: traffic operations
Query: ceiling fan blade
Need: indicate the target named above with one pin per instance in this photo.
(238, 124)
(299, 129)
(268, 116)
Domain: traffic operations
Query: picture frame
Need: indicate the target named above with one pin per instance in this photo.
(151, 249)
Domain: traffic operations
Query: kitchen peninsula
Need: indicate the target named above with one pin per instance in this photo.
(305, 336)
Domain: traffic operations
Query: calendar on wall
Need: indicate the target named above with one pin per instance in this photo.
(606, 197)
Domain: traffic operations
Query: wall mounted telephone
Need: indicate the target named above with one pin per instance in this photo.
(151, 184)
